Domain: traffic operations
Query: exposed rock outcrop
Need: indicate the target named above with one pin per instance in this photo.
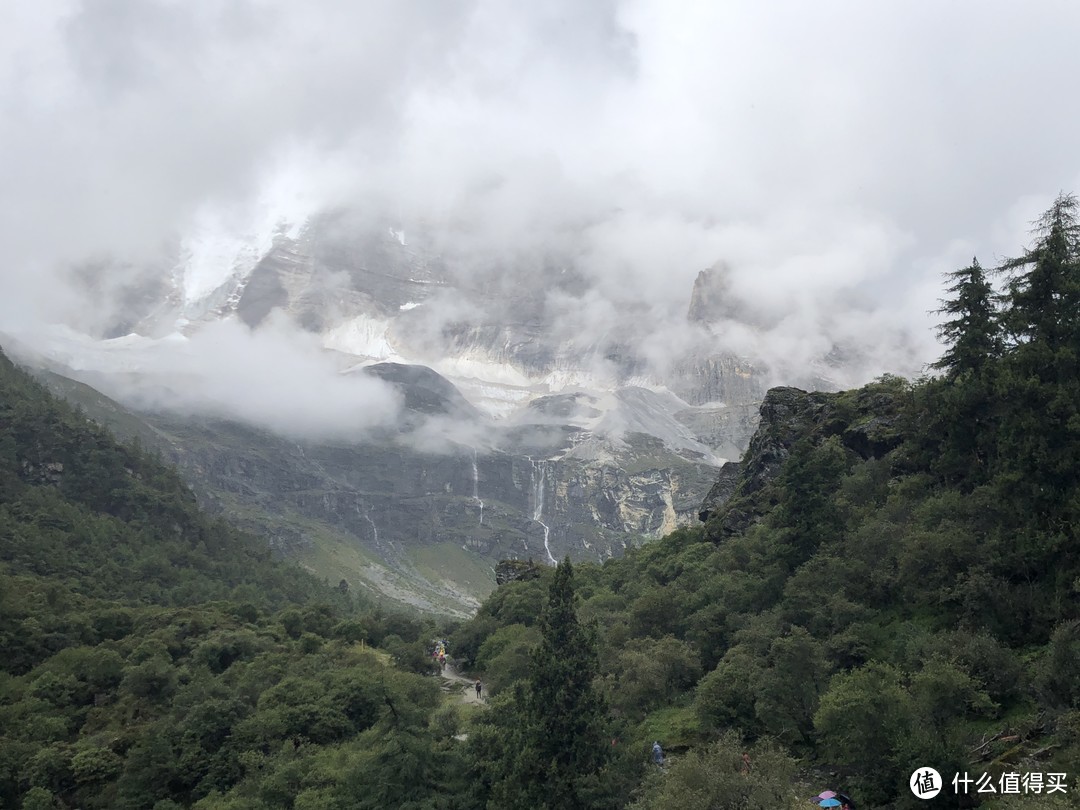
(726, 484)
(423, 391)
(514, 570)
(787, 414)
(712, 300)
(867, 422)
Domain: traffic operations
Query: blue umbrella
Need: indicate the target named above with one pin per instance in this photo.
(829, 803)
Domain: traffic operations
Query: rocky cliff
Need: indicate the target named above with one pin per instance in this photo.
(867, 422)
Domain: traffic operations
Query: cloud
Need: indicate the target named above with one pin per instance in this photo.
(592, 157)
(273, 376)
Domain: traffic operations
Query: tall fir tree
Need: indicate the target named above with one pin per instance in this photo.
(972, 334)
(961, 431)
(1044, 292)
(560, 742)
(1039, 384)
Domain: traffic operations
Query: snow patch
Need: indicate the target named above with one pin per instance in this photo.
(482, 369)
(223, 244)
(363, 336)
(561, 379)
(497, 401)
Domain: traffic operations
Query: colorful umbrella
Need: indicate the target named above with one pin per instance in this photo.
(828, 803)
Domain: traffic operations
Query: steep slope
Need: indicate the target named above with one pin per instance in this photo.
(152, 655)
(420, 523)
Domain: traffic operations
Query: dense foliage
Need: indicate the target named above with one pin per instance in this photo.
(155, 658)
(895, 582)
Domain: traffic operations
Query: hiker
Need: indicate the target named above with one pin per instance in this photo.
(745, 763)
(657, 753)
(478, 688)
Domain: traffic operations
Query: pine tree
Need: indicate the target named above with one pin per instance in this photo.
(973, 333)
(1039, 384)
(1044, 299)
(560, 745)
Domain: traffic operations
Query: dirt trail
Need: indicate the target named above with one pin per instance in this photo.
(468, 692)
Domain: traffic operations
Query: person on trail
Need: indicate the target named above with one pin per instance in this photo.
(478, 688)
(745, 763)
(657, 753)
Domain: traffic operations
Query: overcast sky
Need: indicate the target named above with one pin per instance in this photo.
(838, 155)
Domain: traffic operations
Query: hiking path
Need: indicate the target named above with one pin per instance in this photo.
(454, 680)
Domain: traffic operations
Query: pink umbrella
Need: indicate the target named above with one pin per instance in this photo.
(825, 794)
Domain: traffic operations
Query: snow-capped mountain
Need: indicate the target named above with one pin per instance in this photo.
(371, 292)
(517, 430)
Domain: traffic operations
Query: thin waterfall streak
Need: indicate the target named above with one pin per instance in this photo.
(538, 506)
(374, 528)
(476, 486)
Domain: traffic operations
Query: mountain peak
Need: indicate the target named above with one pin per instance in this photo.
(711, 299)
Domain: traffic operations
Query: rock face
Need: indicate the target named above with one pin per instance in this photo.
(514, 570)
(410, 520)
(711, 299)
(338, 265)
(867, 421)
(786, 415)
(393, 496)
(720, 492)
(423, 391)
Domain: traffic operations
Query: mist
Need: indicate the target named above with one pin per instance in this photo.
(837, 159)
(274, 376)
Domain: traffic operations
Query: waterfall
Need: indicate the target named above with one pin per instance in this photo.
(476, 486)
(538, 505)
(374, 528)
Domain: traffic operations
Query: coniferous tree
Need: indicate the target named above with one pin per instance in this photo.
(1044, 296)
(561, 746)
(961, 431)
(973, 332)
(1039, 387)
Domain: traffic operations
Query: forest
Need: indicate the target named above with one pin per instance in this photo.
(155, 658)
(895, 583)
